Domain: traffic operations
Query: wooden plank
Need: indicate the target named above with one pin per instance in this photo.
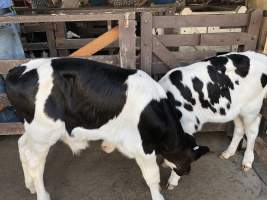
(172, 58)
(6, 65)
(265, 47)
(35, 46)
(194, 56)
(163, 53)
(98, 43)
(254, 28)
(205, 39)
(127, 41)
(161, 8)
(63, 18)
(37, 27)
(261, 149)
(182, 59)
(179, 40)
(50, 35)
(262, 35)
(11, 129)
(60, 34)
(146, 42)
(63, 43)
(224, 39)
(260, 4)
(228, 20)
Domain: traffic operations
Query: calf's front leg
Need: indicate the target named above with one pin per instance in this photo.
(173, 180)
(150, 171)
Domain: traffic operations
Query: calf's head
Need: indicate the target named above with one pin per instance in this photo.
(162, 133)
(185, 152)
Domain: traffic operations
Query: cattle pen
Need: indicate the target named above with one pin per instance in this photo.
(154, 38)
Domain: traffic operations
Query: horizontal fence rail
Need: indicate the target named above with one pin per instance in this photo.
(206, 39)
(65, 17)
(229, 20)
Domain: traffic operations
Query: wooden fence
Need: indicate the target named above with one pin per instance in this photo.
(58, 44)
(156, 50)
(157, 55)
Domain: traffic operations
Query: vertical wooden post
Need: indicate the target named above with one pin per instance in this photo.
(146, 42)
(109, 26)
(260, 4)
(127, 41)
(60, 33)
(265, 47)
(51, 39)
(254, 29)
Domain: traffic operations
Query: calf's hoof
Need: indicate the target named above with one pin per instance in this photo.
(246, 168)
(170, 186)
(44, 196)
(225, 156)
(157, 197)
(30, 187)
(32, 190)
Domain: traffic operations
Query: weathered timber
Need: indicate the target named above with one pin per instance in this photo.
(146, 42)
(63, 18)
(127, 41)
(254, 29)
(229, 20)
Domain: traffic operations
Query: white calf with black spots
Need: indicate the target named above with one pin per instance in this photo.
(78, 100)
(221, 89)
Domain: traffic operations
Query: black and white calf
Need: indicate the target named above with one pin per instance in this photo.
(220, 89)
(78, 100)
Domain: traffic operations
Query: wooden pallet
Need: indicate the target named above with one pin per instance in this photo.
(160, 46)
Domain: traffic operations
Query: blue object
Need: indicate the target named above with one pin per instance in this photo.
(98, 2)
(2, 85)
(11, 46)
(9, 115)
(6, 3)
(163, 1)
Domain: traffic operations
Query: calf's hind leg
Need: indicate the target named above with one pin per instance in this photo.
(252, 124)
(237, 136)
(33, 153)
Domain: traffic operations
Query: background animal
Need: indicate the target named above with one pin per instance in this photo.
(221, 89)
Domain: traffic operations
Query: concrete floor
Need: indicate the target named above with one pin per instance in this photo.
(95, 175)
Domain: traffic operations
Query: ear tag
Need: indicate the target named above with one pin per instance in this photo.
(196, 148)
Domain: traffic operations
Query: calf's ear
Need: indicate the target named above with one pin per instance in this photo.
(200, 151)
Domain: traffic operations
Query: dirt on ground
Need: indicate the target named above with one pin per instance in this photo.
(95, 175)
